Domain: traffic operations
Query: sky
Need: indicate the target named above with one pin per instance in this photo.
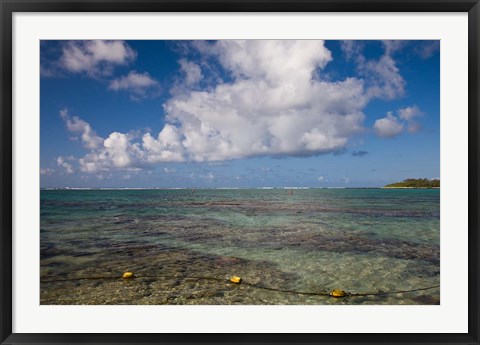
(238, 114)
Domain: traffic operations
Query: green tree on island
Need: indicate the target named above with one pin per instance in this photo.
(415, 183)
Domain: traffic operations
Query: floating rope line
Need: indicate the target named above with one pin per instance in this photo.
(237, 280)
(393, 292)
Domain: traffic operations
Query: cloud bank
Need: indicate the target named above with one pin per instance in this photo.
(272, 104)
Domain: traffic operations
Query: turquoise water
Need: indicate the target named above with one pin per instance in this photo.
(314, 240)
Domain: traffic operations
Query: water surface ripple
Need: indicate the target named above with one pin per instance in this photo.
(358, 240)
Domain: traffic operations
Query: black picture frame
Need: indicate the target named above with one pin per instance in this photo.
(8, 7)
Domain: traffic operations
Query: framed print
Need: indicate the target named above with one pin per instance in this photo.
(239, 172)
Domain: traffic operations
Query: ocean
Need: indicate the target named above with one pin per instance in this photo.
(380, 246)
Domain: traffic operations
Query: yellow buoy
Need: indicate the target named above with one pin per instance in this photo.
(236, 280)
(127, 275)
(338, 293)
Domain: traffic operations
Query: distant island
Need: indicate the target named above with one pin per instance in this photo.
(415, 183)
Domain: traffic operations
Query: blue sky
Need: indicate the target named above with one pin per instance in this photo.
(253, 113)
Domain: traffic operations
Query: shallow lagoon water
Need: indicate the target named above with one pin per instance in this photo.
(314, 240)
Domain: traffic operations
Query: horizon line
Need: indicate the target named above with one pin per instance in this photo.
(226, 188)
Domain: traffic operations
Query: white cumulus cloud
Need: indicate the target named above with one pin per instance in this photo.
(139, 85)
(273, 107)
(74, 124)
(388, 126)
(95, 58)
(192, 71)
(117, 152)
(392, 46)
(392, 125)
(382, 76)
(429, 48)
(68, 167)
(409, 114)
(166, 147)
(124, 151)
(46, 171)
(351, 49)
